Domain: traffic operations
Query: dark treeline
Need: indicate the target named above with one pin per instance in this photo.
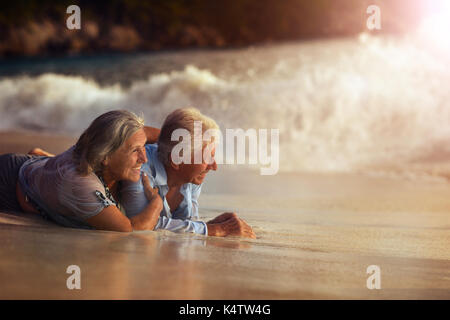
(38, 27)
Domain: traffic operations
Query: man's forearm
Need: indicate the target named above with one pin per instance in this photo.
(152, 134)
(181, 225)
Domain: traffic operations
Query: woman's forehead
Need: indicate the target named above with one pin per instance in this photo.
(138, 139)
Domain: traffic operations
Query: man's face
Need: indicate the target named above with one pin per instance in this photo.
(125, 163)
(196, 173)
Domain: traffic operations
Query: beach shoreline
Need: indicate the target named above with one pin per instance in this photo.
(23, 141)
(316, 236)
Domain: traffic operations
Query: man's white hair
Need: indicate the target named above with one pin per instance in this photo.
(183, 118)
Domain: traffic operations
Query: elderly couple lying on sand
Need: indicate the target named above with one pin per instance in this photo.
(116, 178)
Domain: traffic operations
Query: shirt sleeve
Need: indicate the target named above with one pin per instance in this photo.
(196, 189)
(188, 208)
(60, 193)
(184, 222)
(82, 197)
(181, 226)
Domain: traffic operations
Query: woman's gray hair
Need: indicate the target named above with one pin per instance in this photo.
(104, 136)
(183, 118)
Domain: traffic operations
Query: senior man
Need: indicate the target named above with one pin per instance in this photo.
(179, 184)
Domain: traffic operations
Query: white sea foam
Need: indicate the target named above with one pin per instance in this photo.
(340, 105)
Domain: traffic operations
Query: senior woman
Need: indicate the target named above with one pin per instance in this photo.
(79, 187)
(179, 184)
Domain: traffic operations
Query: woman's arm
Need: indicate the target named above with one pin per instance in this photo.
(112, 219)
(148, 218)
(152, 134)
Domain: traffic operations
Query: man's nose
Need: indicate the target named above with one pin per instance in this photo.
(212, 166)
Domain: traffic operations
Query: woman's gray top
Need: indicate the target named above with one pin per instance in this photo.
(60, 193)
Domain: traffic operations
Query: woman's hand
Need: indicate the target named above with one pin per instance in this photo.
(148, 218)
(150, 193)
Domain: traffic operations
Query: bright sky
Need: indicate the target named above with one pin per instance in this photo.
(436, 26)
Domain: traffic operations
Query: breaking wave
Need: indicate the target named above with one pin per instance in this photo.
(340, 105)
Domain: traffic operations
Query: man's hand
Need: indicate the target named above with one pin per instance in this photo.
(152, 134)
(223, 217)
(229, 224)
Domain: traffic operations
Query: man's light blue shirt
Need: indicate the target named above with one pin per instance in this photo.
(133, 199)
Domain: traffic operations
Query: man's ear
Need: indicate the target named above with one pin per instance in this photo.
(174, 166)
(105, 161)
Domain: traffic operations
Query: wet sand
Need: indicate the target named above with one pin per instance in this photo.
(317, 234)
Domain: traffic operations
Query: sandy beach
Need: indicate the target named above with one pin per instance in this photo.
(345, 101)
(316, 236)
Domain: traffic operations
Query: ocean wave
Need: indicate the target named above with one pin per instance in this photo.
(342, 105)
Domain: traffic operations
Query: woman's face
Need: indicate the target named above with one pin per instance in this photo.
(125, 163)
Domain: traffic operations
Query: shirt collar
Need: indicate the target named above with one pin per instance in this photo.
(160, 171)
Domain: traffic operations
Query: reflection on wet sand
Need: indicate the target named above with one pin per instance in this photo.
(113, 265)
(158, 265)
(316, 242)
